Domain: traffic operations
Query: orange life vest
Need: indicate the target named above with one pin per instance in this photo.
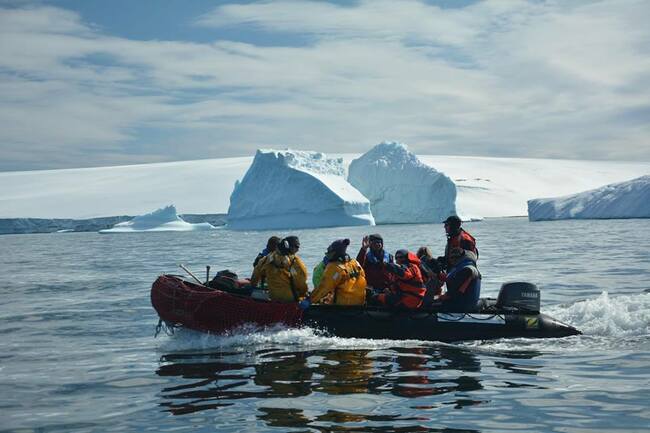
(462, 240)
(410, 286)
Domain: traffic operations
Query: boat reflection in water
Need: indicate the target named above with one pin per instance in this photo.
(377, 389)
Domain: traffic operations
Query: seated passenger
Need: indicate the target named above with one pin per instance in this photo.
(431, 273)
(408, 289)
(343, 281)
(463, 282)
(373, 259)
(271, 245)
(317, 274)
(457, 237)
(284, 271)
(258, 264)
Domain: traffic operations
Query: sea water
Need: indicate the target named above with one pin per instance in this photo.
(78, 353)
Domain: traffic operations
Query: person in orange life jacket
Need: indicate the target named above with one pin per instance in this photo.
(407, 291)
(343, 281)
(457, 238)
(373, 258)
(463, 282)
(431, 273)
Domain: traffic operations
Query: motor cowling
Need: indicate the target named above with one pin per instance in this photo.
(520, 295)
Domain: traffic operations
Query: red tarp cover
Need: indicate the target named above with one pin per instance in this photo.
(204, 309)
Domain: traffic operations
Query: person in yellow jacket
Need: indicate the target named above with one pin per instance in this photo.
(284, 272)
(343, 281)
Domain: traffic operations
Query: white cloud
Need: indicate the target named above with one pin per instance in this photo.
(504, 78)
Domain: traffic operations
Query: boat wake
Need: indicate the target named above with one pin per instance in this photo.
(607, 322)
(608, 316)
(251, 337)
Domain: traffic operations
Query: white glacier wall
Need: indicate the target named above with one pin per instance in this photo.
(401, 188)
(165, 219)
(486, 186)
(296, 189)
(630, 199)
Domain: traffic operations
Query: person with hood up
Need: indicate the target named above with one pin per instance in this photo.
(457, 238)
(373, 259)
(463, 282)
(343, 281)
(284, 272)
(431, 274)
(271, 245)
(408, 290)
(258, 264)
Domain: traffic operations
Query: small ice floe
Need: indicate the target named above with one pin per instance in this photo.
(162, 220)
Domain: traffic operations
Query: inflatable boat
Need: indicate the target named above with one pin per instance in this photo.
(514, 314)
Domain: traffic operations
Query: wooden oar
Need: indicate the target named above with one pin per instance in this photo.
(191, 274)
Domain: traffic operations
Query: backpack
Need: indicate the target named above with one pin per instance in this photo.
(229, 281)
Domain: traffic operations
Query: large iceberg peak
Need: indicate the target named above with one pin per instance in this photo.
(315, 162)
(393, 154)
(296, 189)
(400, 187)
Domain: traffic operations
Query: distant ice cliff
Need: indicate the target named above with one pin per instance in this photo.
(629, 199)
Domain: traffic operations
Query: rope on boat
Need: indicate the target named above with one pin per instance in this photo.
(486, 318)
(424, 315)
(166, 327)
(427, 314)
(471, 317)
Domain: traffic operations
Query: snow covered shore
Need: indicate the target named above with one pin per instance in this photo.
(488, 187)
(630, 199)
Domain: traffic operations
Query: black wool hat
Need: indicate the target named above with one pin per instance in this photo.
(272, 243)
(339, 246)
(293, 241)
(453, 221)
(401, 253)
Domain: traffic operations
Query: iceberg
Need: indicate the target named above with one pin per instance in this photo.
(401, 188)
(296, 189)
(630, 199)
(162, 220)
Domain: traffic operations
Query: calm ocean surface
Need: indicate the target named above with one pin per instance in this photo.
(78, 353)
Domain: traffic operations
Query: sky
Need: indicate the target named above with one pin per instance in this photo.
(88, 83)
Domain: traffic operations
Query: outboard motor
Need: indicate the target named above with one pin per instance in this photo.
(519, 295)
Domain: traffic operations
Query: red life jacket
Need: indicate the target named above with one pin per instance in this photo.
(410, 287)
(377, 275)
(462, 240)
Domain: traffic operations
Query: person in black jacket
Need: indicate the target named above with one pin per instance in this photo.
(431, 273)
(457, 237)
(463, 282)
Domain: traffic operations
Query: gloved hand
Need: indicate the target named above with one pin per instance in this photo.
(304, 304)
(394, 268)
(433, 265)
